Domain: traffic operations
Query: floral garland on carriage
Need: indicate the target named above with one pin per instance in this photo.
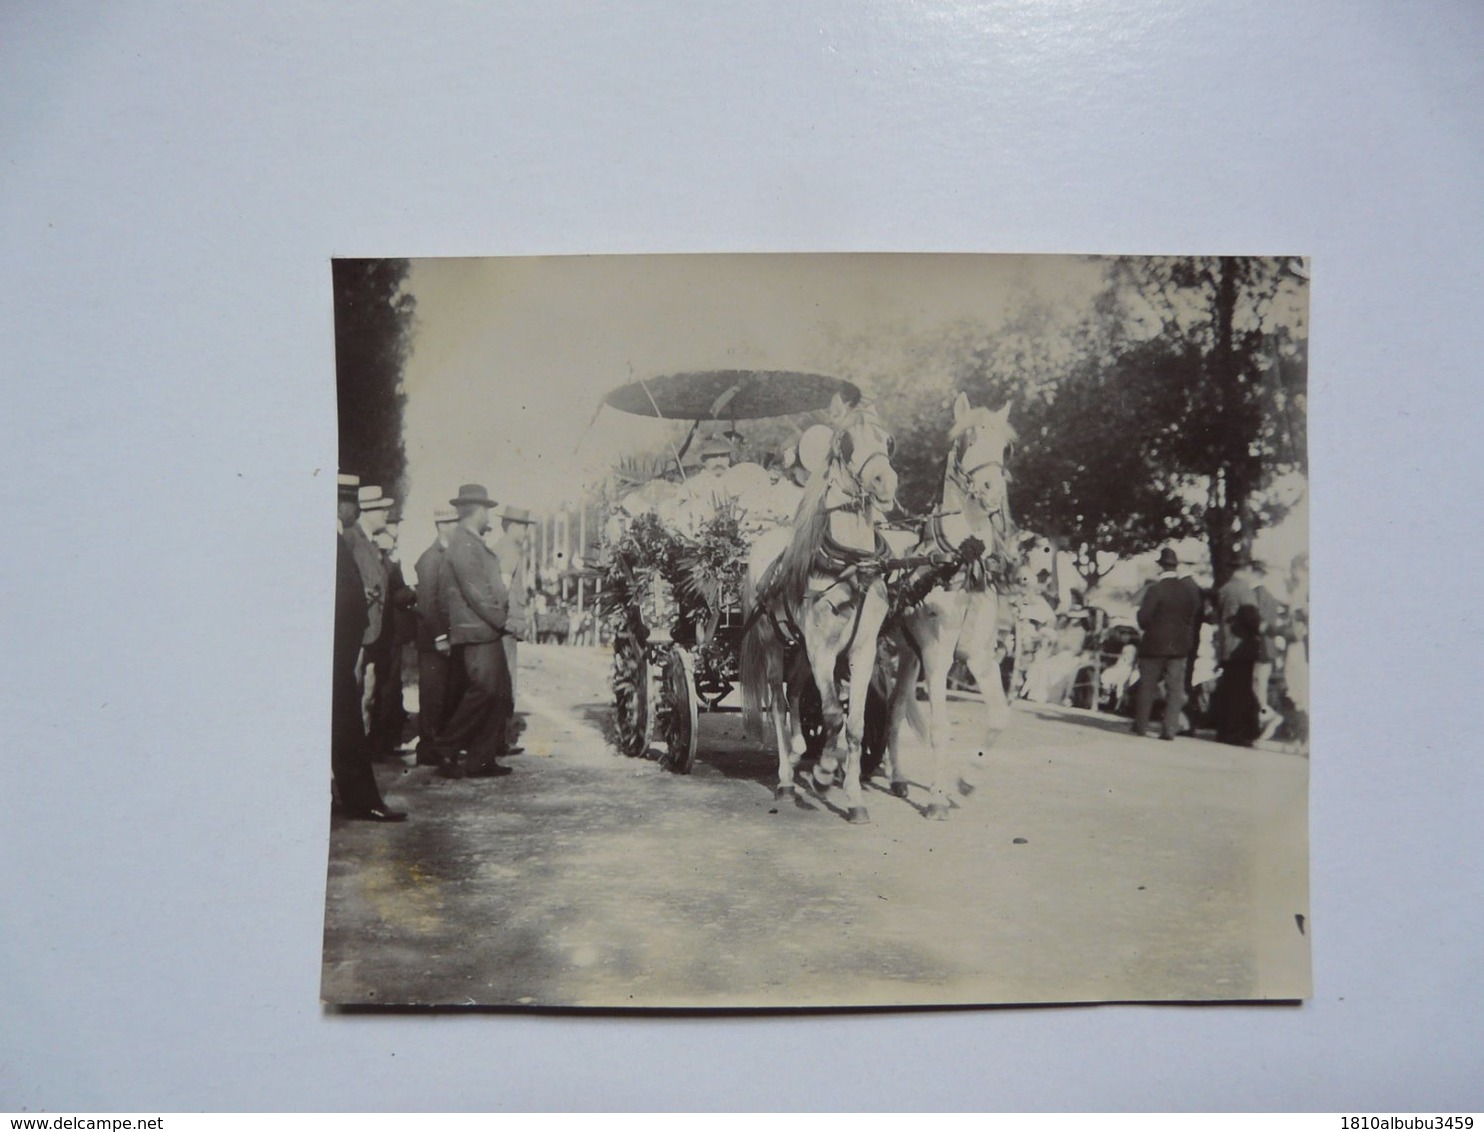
(655, 577)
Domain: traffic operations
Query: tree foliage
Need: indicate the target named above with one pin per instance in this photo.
(1235, 401)
(373, 320)
(1165, 410)
(1092, 473)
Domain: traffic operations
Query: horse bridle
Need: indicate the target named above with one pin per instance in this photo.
(856, 492)
(963, 478)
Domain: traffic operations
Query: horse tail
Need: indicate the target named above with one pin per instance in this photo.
(759, 657)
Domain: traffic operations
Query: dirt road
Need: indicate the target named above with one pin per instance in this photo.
(1091, 866)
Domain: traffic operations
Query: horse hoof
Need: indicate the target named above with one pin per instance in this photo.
(783, 793)
(937, 811)
(898, 789)
(858, 815)
(823, 778)
(966, 788)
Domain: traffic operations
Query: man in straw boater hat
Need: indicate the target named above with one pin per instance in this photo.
(478, 609)
(716, 456)
(439, 680)
(511, 550)
(375, 507)
(356, 791)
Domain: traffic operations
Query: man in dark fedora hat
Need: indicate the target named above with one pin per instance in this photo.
(478, 606)
(356, 790)
(1168, 616)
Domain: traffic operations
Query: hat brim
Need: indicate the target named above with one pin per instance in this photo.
(378, 505)
(467, 500)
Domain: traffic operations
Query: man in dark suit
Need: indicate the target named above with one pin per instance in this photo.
(388, 716)
(438, 678)
(360, 535)
(478, 606)
(1168, 616)
(350, 758)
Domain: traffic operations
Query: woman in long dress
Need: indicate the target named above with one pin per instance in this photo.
(1234, 707)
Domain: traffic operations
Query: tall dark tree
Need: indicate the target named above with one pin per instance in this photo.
(1089, 473)
(1234, 329)
(373, 322)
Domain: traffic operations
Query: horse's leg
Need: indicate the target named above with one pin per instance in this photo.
(794, 677)
(937, 659)
(824, 633)
(980, 630)
(903, 695)
(778, 712)
(867, 627)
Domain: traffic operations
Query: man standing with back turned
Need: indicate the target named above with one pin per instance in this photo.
(438, 679)
(1168, 616)
(478, 606)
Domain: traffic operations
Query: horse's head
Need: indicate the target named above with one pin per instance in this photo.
(861, 449)
(976, 464)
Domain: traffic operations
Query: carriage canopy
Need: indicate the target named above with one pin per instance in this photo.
(730, 394)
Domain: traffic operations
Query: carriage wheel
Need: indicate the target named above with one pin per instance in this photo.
(631, 696)
(678, 690)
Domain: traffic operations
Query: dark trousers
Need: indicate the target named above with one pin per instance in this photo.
(440, 684)
(478, 725)
(350, 756)
(388, 716)
(1153, 669)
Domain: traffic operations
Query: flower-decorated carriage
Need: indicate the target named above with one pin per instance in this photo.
(822, 623)
(676, 552)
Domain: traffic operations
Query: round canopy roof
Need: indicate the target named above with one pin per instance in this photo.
(730, 394)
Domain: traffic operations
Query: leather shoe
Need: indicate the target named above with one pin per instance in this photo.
(489, 770)
(378, 813)
(514, 751)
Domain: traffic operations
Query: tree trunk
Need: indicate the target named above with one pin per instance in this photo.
(1226, 499)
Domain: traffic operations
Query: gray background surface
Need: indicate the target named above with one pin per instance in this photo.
(173, 180)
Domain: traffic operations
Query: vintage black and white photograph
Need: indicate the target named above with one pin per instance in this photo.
(807, 631)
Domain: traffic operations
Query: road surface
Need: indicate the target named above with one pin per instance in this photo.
(1091, 866)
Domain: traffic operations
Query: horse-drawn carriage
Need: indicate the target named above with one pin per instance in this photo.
(675, 562)
(822, 622)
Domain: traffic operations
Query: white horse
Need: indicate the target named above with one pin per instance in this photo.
(960, 617)
(821, 588)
